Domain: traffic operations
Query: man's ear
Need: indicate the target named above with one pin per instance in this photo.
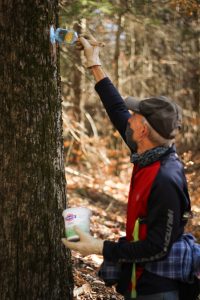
(145, 130)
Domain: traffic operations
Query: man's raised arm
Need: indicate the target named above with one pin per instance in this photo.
(110, 97)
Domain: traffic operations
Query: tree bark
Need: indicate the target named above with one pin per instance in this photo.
(33, 262)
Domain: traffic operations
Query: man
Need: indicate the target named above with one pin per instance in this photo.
(158, 197)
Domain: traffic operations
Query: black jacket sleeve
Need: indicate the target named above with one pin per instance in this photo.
(163, 227)
(114, 105)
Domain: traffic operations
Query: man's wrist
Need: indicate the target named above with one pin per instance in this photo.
(98, 73)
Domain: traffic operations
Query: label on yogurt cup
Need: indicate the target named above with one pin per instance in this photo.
(70, 217)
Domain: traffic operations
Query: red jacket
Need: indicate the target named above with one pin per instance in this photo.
(140, 188)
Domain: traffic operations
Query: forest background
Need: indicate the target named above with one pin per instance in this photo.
(151, 48)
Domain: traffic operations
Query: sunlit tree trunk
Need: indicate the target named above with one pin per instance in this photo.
(33, 262)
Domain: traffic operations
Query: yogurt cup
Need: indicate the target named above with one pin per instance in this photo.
(79, 216)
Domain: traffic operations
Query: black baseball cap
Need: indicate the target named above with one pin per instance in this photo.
(162, 113)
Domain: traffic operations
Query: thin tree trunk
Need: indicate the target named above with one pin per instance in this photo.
(33, 262)
(76, 77)
(196, 77)
(117, 50)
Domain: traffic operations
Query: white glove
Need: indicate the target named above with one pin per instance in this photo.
(91, 50)
(87, 244)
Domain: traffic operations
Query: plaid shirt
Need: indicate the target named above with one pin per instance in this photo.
(181, 263)
(109, 272)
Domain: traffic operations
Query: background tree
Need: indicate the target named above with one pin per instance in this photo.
(33, 262)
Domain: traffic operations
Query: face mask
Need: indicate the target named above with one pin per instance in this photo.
(129, 139)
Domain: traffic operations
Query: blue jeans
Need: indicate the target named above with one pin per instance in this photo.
(172, 295)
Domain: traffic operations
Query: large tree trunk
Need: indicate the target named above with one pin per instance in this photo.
(33, 262)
